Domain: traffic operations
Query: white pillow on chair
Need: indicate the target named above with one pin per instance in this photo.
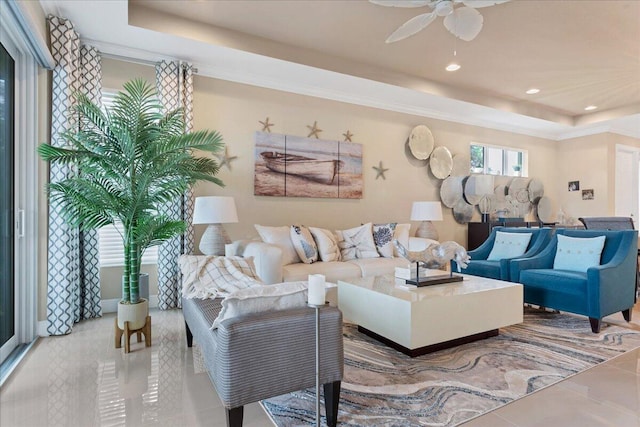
(281, 237)
(509, 245)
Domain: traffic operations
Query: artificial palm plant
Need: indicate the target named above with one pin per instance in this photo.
(130, 159)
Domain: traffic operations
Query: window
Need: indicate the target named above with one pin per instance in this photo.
(110, 245)
(111, 248)
(495, 160)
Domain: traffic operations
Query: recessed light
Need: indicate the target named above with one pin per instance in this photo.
(452, 67)
(532, 91)
(590, 108)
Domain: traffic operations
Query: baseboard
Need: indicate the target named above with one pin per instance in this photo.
(108, 306)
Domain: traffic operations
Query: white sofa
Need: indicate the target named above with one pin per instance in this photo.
(269, 265)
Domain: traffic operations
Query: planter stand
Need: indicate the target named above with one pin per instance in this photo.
(145, 329)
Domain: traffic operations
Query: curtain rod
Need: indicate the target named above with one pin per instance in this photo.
(137, 60)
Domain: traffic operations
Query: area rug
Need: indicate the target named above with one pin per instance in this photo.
(382, 387)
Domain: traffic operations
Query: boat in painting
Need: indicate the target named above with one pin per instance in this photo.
(323, 171)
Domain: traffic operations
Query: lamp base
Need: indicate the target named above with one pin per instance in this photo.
(213, 240)
(427, 230)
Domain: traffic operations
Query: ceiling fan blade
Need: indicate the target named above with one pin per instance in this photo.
(464, 23)
(401, 3)
(480, 3)
(411, 27)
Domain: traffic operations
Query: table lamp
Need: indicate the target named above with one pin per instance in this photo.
(426, 212)
(215, 211)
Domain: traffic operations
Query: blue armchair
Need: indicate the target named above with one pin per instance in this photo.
(499, 269)
(600, 291)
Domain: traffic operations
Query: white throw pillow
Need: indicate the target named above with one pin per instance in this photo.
(281, 296)
(578, 253)
(281, 237)
(208, 276)
(401, 234)
(304, 244)
(327, 243)
(383, 235)
(357, 243)
(509, 245)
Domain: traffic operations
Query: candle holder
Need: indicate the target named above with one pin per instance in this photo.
(317, 310)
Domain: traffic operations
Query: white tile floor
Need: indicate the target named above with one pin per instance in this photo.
(82, 380)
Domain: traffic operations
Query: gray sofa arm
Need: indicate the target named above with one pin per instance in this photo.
(273, 353)
(266, 257)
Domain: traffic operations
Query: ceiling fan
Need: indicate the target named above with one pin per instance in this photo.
(464, 22)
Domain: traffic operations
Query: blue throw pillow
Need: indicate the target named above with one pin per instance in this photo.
(578, 253)
(509, 245)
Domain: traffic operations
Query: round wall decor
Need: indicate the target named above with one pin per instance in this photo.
(451, 190)
(441, 162)
(421, 142)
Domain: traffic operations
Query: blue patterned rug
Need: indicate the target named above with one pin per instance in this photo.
(382, 387)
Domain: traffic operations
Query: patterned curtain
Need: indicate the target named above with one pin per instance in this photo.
(174, 81)
(73, 270)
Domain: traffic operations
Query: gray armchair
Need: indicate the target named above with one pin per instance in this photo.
(259, 356)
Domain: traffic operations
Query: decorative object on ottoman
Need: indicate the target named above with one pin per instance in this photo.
(215, 211)
(426, 212)
(435, 256)
(132, 136)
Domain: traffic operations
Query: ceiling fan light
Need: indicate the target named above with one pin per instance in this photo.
(532, 91)
(453, 67)
(444, 8)
(590, 108)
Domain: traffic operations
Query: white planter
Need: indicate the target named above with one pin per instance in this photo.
(135, 314)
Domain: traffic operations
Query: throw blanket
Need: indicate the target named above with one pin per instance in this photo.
(210, 277)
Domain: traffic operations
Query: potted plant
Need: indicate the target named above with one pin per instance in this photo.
(130, 160)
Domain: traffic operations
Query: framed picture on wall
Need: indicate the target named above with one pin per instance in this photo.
(574, 185)
(587, 194)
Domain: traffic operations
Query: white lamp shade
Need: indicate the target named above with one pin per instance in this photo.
(426, 211)
(214, 210)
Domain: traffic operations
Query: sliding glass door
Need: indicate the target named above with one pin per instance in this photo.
(7, 229)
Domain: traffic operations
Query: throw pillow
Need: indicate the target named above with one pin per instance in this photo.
(208, 276)
(281, 237)
(357, 243)
(383, 235)
(281, 296)
(509, 245)
(327, 243)
(578, 253)
(401, 234)
(304, 244)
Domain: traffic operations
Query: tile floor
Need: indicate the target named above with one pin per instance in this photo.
(82, 380)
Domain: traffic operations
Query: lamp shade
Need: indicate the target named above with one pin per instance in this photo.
(426, 211)
(214, 210)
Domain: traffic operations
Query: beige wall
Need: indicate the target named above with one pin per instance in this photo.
(590, 160)
(235, 109)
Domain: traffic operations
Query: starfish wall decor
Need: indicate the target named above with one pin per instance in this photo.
(266, 126)
(225, 158)
(315, 131)
(380, 170)
(347, 136)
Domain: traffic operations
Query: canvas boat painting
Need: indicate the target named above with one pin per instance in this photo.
(295, 166)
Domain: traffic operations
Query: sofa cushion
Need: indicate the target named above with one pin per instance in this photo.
(281, 296)
(578, 253)
(327, 244)
(483, 268)
(333, 271)
(509, 245)
(357, 242)
(555, 281)
(376, 266)
(281, 237)
(209, 276)
(304, 244)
